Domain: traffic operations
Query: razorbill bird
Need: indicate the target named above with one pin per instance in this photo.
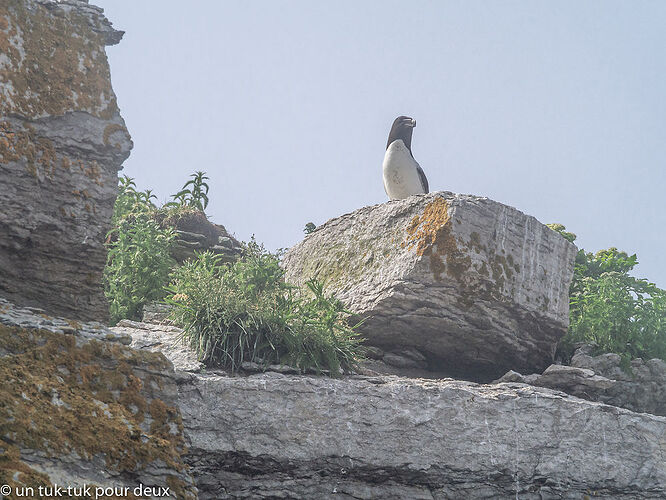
(403, 176)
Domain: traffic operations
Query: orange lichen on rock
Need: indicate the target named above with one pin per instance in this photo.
(60, 67)
(430, 233)
(62, 396)
(112, 129)
(39, 153)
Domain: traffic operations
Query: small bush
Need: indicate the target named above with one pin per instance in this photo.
(138, 258)
(613, 310)
(138, 266)
(245, 311)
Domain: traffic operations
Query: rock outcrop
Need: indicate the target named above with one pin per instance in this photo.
(476, 286)
(640, 387)
(80, 408)
(161, 338)
(62, 142)
(287, 436)
(275, 435)
(196, 234)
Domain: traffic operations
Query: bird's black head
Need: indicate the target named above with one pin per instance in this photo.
(402, 128)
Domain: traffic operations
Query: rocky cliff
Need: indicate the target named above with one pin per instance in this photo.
(62, 142)
(281, 436)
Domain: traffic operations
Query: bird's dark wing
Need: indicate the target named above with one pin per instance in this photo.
(424, 181)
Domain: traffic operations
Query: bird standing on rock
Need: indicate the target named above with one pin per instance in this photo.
(403, 176)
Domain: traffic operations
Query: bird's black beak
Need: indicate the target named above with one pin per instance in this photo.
(413, 123)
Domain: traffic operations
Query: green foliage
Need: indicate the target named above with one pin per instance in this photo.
(245, 311)
(131, 201)
(309, 228)
(613, 310)
(138, 265)
(194, 193)
(138, 259)
(562, 230)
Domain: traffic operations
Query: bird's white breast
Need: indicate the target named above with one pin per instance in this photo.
(401, 178)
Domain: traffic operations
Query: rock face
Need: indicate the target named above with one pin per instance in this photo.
(160, 338)
(600, 378)
(78, 407)
(476, 286)
(196, 234)
(275, 435)
(62, 142)
(284, 436)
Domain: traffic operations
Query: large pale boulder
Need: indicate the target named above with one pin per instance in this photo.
(478, 287)
(62, 142)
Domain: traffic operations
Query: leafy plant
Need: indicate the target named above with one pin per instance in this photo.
(613, 310)
(194, 193)
(138, 265)
(309, 228)
(138, 259)
(245, 311)
(131, 201)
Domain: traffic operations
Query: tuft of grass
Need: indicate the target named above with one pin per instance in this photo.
(245, 311)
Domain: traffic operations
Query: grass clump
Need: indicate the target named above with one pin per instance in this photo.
(245, 311)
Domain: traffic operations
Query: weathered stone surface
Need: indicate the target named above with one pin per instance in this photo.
(196, 234)
(478, 286)
(601, 378)
(282, 436)
(165, 339)
(77, 407)
(62, 142)
(157, 313)
(34, 317)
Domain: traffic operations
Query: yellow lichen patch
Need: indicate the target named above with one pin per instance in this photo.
(18, 474)
(430, 234)
(39, 153)
(112, 129)
(61, 397)
(56, 63)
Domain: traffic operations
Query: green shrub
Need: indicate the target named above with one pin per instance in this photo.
(138, 260)
(245, 311)
(138, 265)
(613, 310)
(130, 201)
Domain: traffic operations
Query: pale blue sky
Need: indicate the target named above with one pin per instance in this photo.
(555, 108)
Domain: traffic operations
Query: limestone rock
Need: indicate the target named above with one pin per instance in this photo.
(283, 436)
(157, 313)
(575, 381)
(478, 286)
(642, 388)
(62, 142)
(165, 339)
(196, 234)
(80, 408)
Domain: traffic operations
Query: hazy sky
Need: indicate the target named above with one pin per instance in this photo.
(555, 108)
